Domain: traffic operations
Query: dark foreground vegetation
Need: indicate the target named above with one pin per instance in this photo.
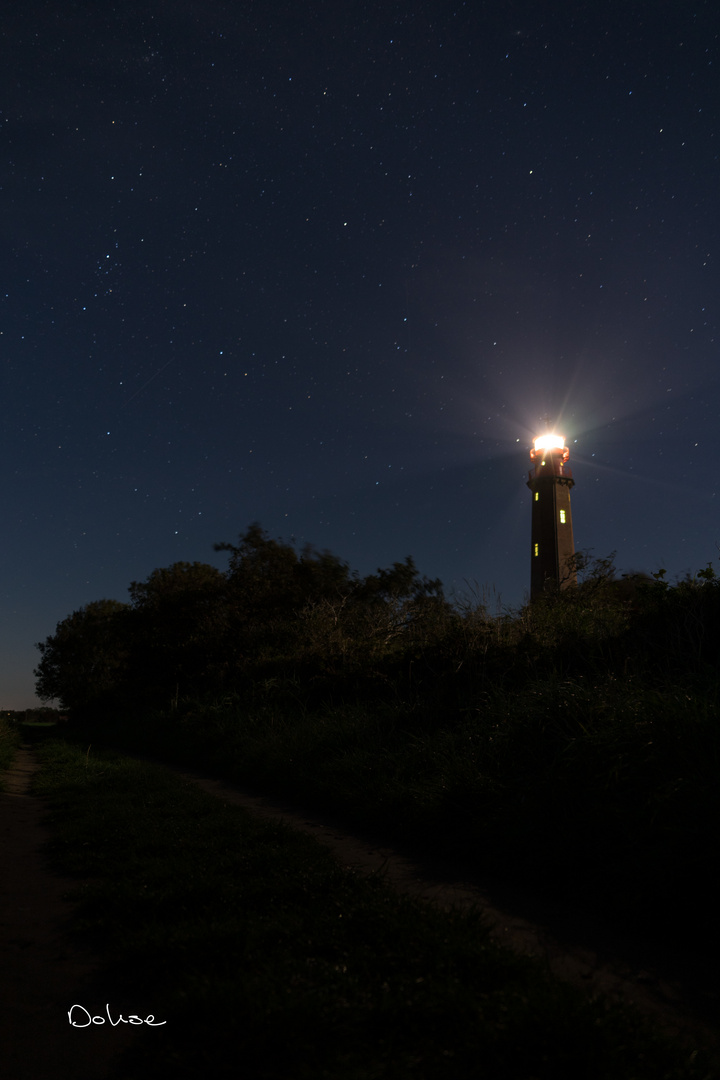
(266, 960)
(572, 746)
(9, 742)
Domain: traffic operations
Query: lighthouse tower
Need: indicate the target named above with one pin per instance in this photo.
(552, 545)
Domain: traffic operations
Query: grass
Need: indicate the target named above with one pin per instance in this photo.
(268, 960)
(604, 788)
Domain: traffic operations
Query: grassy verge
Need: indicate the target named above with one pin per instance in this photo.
(269, 961)
(9, 742)
(604, 790)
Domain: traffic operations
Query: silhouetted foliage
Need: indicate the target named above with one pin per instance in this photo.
(86, 661)
(177, 623)
(276, 614)
(268, 584)
(576, 737)
(299, 622)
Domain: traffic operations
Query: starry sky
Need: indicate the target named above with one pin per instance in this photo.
(328, 266)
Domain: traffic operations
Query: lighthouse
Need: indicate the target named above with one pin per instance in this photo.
(552, 547)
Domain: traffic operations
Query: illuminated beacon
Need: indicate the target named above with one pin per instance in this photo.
(552, 545)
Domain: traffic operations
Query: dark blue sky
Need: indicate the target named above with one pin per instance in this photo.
(326, 266)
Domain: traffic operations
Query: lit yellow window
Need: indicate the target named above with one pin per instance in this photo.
(562, 516)
(537, 549)
(537, 496)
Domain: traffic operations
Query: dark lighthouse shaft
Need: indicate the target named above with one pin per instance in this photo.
(552, 546)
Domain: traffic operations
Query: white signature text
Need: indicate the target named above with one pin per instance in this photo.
(86, 1019)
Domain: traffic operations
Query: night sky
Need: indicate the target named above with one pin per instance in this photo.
(328, 265)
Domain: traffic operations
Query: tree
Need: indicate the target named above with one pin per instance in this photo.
(84, 662)
(269, 582)
(178, 617)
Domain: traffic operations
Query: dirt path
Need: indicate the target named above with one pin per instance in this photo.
(43, 971)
